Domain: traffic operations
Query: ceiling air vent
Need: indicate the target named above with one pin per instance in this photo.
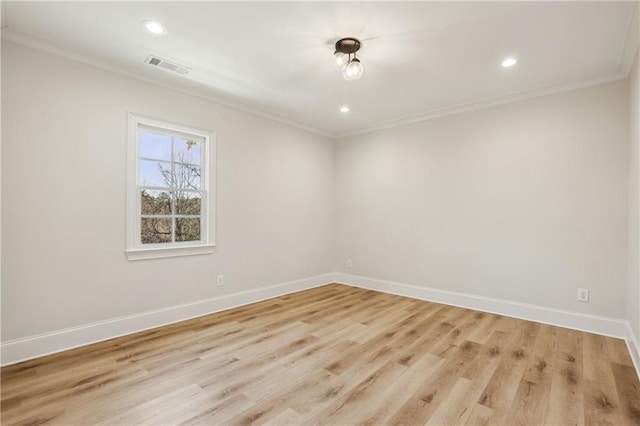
(167, 65)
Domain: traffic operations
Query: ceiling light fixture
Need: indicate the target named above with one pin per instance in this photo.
(509, 62)
(344, 109)
(154, 27)
(352, 68)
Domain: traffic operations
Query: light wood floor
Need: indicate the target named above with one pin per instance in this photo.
(334, 355)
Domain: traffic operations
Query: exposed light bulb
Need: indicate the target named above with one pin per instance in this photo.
(344, 109)
(341, 59)
(353, 70)
(347, 73)
(359, 69)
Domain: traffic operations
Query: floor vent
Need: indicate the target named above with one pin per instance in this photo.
(167, 65)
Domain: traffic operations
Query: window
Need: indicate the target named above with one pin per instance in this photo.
(170, 204)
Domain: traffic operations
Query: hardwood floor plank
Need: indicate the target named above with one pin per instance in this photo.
(287, 417)
(503, 385)
(566, 397)
(397, 394)
(439, 330)
(211, 411)
(311, 391)
(531, 398)
(618, 352)
(480, 415)
(456, 408)
(601, 403)
(141, 413)
(354, 402)
(628, 392)
(54, 402)
(419, 408)
(483, 332)
(601, 407)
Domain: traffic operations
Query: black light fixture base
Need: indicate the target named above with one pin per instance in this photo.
(348, 45)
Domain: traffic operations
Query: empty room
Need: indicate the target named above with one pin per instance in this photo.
(338, 213)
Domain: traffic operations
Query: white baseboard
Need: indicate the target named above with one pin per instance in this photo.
(634, 348)
(23, 349)
(607, 326)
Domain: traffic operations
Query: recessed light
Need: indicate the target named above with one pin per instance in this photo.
(344, 109)
(154, 27)
(509, 62)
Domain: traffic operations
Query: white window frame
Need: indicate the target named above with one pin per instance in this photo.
(135, 250)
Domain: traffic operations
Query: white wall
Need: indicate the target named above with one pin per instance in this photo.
(524, 202)
(633, 295)
(63, 198)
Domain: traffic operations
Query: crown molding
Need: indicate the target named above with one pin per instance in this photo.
(628, 52)
(23, 39)
(489, 102)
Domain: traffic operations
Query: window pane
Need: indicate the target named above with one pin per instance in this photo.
(187, 229)
(155, 230)
(155, 173)
(188, 203)
(155, 202)
(154, 145)
(187, 151)
(187, 176)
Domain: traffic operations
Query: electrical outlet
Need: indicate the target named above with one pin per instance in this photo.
(220, 282)
(349, 263)
(583, 295)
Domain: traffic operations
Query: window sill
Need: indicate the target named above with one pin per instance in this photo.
(162, 252)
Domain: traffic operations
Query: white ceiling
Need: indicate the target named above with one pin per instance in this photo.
(419, 58)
